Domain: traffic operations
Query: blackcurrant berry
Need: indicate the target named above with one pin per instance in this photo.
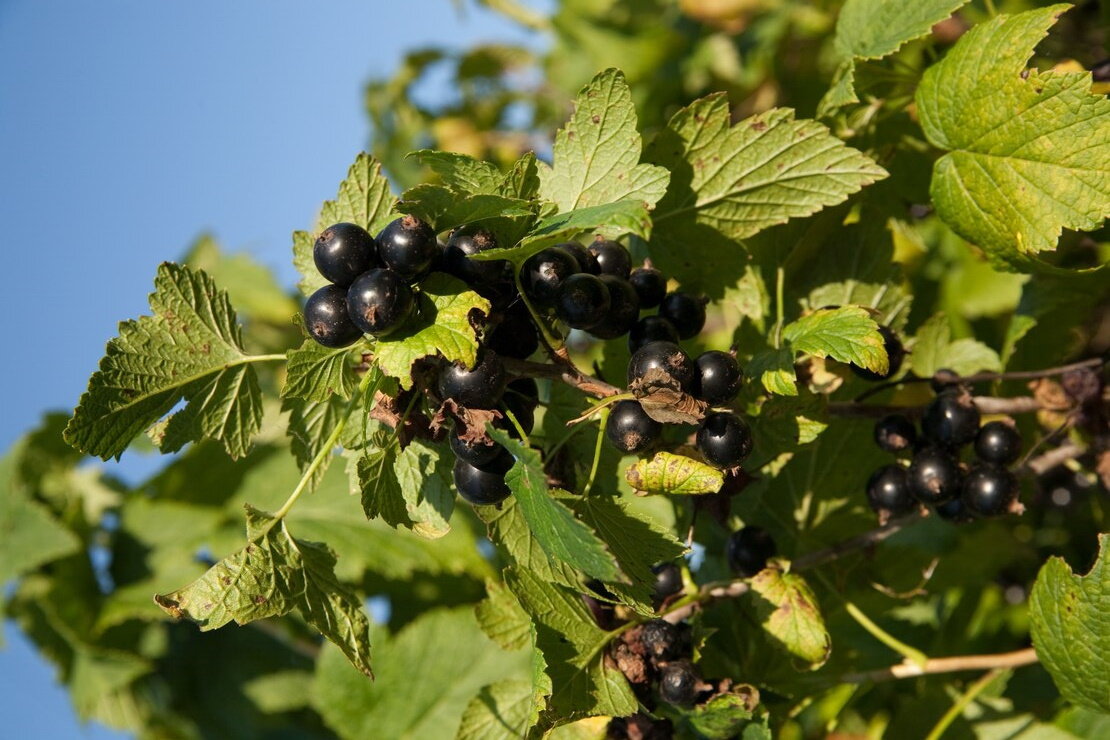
(651, 329)
(344, 251)
(663, 356)
(724, 439)
(955, 511)
(661, 639)
(895, 433)
(888, 491)
(326, 318)
(650, 285)
(951, 419)
(515, 335)
(989, 490)
(544, 272)
(587, 262)
(944, 379)
(998, 442)
(934, 475)
(523, 409)
(467, 241)
(477, 454)
(748, 549)
(582, 301)
(480, 387)
(685, 311)
(668, 580)
(630, 429)
(525, 389)
(624, 309)
(678, 684)
(485, 485)
(379, 301)
(718, 377)
(612, 258)
(895, 353)
(408, 247)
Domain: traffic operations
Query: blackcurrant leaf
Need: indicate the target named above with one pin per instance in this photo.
(445, 209)
(500, 711)
(503, 619)
(933, 349)
(847, 334)
(774, 369)
(317, 373)
(724, 716)
(668, 473)
(788, 611)
(460, 172)
(509, 530)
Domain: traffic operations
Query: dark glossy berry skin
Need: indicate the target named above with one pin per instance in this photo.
(582, 301)
(515, 335)
(475, 454)
(661, 639)
(951, 419)
(651, 329)
(718, 377)
(678, 684)
(485, 485)
(664, 356)
(989, 490)
(624, 309)
(724, 440)
(344, 251)
(630, 429)
(944, 379)
(543, 273)
(407, 246)
(612, 258)
(465, 242)
(998, 442)
(954, 511)
(668, 580)
(326, 319)
(480, 387)
(685, 311)
(524, 409)
(888, 491)
(934, 475)
(524, 388)
(895, 353)
(650, 285)
(587, 262)
(894, 433)
(379, 301)
(748, 550)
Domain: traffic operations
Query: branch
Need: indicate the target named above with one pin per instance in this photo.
(985, 404)
(859, 542)
(567, 373)
(907, 669)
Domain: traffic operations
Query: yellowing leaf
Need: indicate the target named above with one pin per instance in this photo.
(667, 472)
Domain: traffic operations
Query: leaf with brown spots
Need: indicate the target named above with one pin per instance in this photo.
(788, 611)
(674, 474)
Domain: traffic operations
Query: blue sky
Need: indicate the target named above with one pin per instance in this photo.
(129, 127)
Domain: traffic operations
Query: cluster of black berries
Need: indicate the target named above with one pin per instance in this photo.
(936, 476)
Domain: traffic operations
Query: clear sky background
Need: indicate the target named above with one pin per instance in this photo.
(128, 127)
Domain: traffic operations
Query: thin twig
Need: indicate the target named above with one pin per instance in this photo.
(952, 664)
(859, 542)
(567, 373)
(985, 404)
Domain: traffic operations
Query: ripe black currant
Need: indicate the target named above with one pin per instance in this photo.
(685, 311)
(895, 433)
(624, 309)
(525, 389)
(651, 329)
(718, 377)
(748, 550)
(934, 475)
(678, 684)
(523, 409)
(344, 251)
(989, 490)
(326, 318)
(951, 419)
(407, 246)
(587, 262)
(888, 491)
(944, 379)
(668, 580)
(664, 356)
(484, 485)
(480, 387)
(612, 258)
(998, 442)
(650, 285)
(630, 429)
(476, 454)
(724, 439)
(467, 241)
(544, 272)
(955, 511)
(582, 301)
(895, 353)
(661, 639)
(379, 301)
(515, 335)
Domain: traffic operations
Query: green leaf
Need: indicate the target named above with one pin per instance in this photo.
(317, 373)
(426, 675)
(667, 472)
(310, 425)
(933, 349)
(500, 711)
(509, 530)
(564, 538)
(1028, 151)
(270, 577)
(251, 286)
(788, 611)
(1070, 623)
(191, 349)
(445, 209)
(573, 646)
(847, 334)
(502, 619)
(597, 153)
(364, 198)
(774, 369)
(381, 490)
(722, 717)
(872, 29)
(460, 172)
(424, 475)
(523, 180)
(444, 327)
